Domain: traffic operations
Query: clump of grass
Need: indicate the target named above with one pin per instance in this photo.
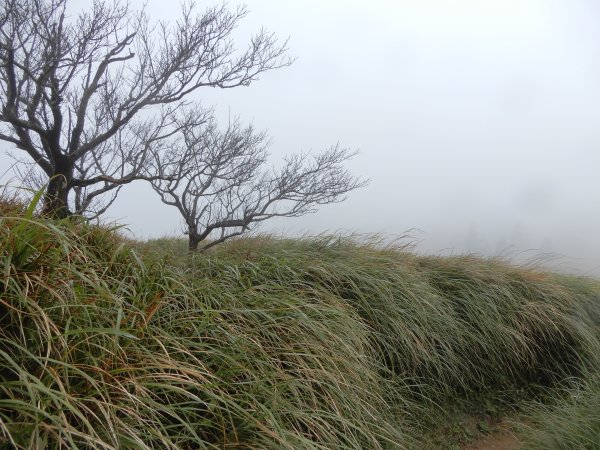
(463, 317)
(11, 202)
(570, 422)
(299, 344)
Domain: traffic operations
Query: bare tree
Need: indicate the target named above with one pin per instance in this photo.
(222, 185)
(85, 98)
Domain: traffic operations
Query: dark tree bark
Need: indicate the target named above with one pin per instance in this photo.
(56, 198)
(193, 243)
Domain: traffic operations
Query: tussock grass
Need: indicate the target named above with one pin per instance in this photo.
(101, 349)
(324, 343)
(571, 421)
(450, 315)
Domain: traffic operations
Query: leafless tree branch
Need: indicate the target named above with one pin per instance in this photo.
(79, 96)
(221, 185)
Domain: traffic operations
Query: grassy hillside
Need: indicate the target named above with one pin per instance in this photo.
(312, 344)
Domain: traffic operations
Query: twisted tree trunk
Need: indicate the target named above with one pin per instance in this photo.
(56, 198)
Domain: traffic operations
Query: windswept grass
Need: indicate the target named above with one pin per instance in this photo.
(101, 349)
(455, 325)
(312, 344)
(570, 422)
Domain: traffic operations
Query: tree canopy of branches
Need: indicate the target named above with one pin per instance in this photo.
(222, 185)
(86, 98)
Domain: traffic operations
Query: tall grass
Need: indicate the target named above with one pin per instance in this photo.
(570, 422)
(312, 344)
(101, 349)
(454, 325)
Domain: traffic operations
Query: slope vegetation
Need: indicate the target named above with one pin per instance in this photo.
(320, 343)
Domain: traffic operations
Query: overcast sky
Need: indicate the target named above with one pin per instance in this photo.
(477, 121)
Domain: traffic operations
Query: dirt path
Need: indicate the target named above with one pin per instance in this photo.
(499, 440)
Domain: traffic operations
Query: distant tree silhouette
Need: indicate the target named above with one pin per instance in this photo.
(220, 181)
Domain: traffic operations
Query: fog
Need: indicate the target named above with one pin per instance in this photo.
(476, 121)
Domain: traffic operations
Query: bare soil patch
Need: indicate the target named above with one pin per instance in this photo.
(499, 440)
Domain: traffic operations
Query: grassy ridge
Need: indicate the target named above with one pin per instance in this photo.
(311, 344)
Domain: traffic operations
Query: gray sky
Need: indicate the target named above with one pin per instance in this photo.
(476, 120)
